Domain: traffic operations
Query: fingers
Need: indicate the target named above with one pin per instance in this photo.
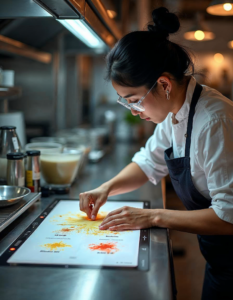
(112, 222)
(126, 218)
(87, 208)
(118, 213)
(85, 203)
(90, 203)
(95, 210)
(108, 219)
(115, 212)
(121, 227)
(81, 201)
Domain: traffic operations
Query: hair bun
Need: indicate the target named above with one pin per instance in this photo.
(164, 22)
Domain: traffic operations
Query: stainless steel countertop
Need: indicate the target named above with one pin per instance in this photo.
(36, 283)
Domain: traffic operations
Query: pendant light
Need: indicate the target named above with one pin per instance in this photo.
(110, 8)
(230, 44)
(220, 8)
(199, 32)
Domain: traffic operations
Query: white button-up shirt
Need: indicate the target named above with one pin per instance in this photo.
(211, 149)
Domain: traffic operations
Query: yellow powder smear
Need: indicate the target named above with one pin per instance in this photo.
(82, 224)
(56, 246)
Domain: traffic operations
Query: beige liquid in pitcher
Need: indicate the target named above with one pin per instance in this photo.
(59, 169)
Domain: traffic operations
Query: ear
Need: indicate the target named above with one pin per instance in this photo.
(165, 83)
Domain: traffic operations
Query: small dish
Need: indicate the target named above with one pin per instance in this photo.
(48, 139)
(10, 195)
(45, 147)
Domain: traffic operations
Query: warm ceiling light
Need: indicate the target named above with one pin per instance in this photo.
(220, 8)
(111, 13)
(199, 35)
(218, 57)
(230, 44)
(111, 7)
(227, 6)
(199, 32)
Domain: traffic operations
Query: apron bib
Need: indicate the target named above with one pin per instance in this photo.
(216, 249)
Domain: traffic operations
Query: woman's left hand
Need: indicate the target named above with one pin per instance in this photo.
(128, 218)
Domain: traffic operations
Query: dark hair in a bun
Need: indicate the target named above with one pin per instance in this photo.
(164, 22)
(141, 57)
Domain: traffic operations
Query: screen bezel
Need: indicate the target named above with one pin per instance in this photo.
(144, 245)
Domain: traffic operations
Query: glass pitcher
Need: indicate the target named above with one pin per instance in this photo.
(9, 143)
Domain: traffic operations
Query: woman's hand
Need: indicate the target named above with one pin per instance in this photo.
(128, 218)
(91, 201)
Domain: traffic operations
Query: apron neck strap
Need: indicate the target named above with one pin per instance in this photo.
(196, 95)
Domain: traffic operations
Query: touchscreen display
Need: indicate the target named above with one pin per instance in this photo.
(67, 237)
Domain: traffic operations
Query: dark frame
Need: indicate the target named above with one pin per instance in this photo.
(144, 244)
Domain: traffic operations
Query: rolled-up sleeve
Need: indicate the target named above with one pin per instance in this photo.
(151, 157)
(215, 155)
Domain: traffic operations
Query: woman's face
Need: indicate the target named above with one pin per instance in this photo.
(156, 105)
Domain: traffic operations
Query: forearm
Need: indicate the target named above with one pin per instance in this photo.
(204, 221)
(129, 179)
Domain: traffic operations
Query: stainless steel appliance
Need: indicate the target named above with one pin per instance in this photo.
(93, 13)
(10, 213)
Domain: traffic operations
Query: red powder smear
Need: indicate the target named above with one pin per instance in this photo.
(66, 229)
(106, 247)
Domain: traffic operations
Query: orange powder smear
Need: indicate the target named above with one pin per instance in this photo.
(99, 217)
(67, 229)
(56, 246)
(106, 247)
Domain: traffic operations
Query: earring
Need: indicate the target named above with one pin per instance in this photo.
(168, 96)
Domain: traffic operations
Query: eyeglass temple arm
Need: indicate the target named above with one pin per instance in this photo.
(140, 101)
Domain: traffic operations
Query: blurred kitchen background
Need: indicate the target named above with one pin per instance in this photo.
(58, 78)
(52, 69)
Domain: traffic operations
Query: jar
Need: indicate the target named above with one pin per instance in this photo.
(33, 171)
(15, 169)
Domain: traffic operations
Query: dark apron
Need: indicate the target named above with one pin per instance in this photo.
(216, 249)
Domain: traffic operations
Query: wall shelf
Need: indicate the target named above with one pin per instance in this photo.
(8, 93)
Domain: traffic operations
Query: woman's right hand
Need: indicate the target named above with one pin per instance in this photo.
(91, 201)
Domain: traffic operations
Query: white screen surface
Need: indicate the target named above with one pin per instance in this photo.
(68, 237)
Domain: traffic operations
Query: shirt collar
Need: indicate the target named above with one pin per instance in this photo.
(184, 111)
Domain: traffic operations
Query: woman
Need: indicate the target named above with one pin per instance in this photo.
(193, 142)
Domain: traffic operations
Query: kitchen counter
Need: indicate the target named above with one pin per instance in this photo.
(34, 283)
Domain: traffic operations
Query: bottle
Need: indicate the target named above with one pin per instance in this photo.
(33, 171)
(9, 143)
(15, 169)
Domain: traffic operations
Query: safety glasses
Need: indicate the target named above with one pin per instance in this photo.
(135, 106)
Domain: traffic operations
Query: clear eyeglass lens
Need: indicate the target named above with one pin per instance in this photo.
(133, 106)
(125, 104)
(138, 107)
